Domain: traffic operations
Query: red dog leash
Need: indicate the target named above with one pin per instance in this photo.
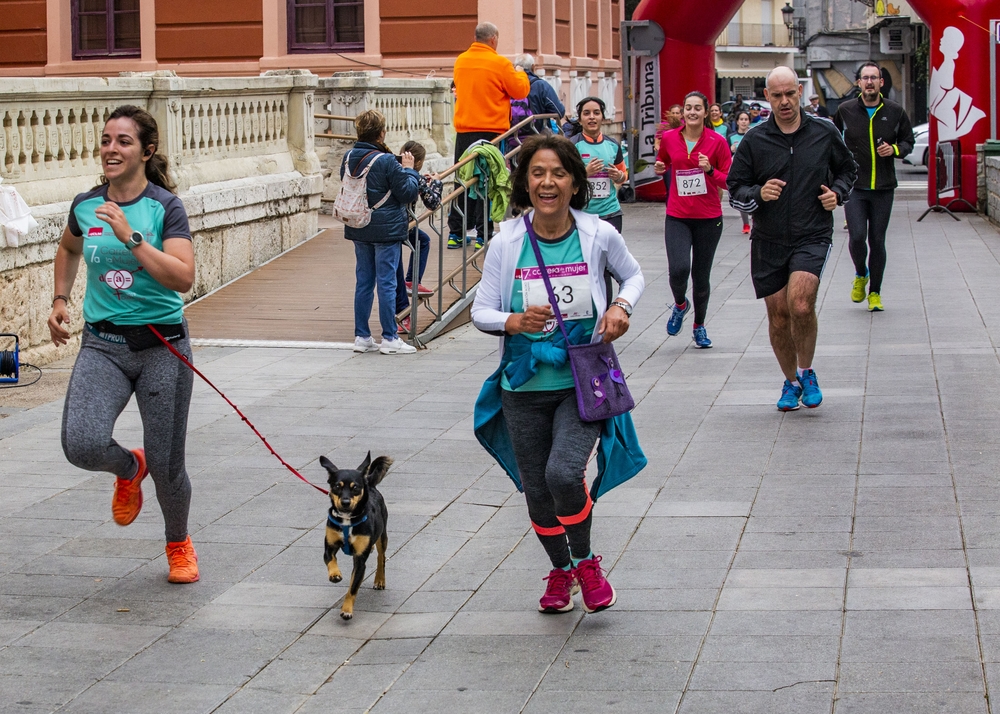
(194, 369)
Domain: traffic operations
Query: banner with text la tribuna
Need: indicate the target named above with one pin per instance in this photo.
(646, 77)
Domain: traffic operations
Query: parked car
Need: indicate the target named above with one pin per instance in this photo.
(921, 146)
(765, 107)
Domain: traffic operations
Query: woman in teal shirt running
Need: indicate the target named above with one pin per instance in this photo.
(602, 155)
(133, 233)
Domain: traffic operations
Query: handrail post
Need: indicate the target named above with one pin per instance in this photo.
(415, 275)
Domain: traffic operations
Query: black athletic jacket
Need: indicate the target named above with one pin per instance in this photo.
(861, 134)
(812, 157)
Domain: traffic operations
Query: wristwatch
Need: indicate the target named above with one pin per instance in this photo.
(134, 240)
(624, 306)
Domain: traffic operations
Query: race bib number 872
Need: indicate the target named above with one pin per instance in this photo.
(690, 182)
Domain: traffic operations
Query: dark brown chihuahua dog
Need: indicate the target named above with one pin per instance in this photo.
(356, 522)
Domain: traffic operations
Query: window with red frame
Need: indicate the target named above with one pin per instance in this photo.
(105, 28)
(326, 25)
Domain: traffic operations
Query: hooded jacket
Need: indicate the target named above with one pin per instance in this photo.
(811, 157)
(862, 133)
(389, 221)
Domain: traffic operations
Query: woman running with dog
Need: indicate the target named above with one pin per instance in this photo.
(527, 415)
(133, 233)
(700, 161)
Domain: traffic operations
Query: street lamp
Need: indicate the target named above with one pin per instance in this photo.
(796, 25)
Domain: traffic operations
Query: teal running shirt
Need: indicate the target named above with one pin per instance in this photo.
(568, 272)
(604, 198)
(118, 289)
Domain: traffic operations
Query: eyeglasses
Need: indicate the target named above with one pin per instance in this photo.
(870, 79)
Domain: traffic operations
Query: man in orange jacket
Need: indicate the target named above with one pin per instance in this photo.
(485, 83)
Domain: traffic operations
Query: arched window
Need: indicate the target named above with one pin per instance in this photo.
(326, 25)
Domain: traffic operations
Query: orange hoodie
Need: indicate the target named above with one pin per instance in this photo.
(485, 82)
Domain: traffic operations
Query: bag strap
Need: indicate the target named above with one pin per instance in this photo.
(364, 175)
(553, 301)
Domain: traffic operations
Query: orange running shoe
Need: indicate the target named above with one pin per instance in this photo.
(127, 501)
(183, 562)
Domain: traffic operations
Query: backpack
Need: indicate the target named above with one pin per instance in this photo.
(519, 111)
(351, 205)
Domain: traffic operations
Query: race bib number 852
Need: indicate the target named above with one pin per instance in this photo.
(600, 186)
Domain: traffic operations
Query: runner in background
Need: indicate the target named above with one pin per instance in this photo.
(742, 127)
(717, 121)
(602, 155)
(606, 169)
(672, 119)
(700, 161)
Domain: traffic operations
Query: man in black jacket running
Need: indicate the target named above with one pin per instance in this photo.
(877, 131)
(791, 172)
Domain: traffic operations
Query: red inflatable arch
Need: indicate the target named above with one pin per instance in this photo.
(959, 96)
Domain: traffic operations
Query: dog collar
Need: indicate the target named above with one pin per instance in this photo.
(345, 526)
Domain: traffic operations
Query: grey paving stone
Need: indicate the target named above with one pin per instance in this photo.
(460, 701)
(769, 648)
(141, 697)
(795, 700)
(908, 598)
(779, 598)
(202, 656)
(262, 701)
(616, 675)
(923, 703)
(911, 677)
(776, 623)
(761, 676)
(586, 701)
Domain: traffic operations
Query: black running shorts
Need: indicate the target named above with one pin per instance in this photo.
(772, 263)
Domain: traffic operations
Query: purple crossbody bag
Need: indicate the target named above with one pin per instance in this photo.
(601, 392)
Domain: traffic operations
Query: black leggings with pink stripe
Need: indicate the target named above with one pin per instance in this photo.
(552, 446)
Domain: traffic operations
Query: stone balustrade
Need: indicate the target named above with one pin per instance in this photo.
(241, 151)
(414, 109)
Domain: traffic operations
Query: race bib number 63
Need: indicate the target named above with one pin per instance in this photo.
(570, 285)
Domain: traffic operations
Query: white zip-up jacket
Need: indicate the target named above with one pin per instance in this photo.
(603, 247)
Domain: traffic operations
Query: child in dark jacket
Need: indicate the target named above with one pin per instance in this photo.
(429, 190)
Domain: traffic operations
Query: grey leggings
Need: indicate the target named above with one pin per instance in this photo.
(552, 446)
(104, 378)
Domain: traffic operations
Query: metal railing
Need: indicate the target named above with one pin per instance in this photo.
(335, 117)
(437, 222)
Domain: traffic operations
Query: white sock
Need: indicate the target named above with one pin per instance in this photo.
(801, 371)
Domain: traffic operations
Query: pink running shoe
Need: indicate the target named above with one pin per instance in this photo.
(597, 591)
(558, 595)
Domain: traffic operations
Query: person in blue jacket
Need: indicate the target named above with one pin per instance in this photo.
(526, 416)
(377, 246)
(542, 98)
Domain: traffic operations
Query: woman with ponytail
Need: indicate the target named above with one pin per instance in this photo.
(133, 233)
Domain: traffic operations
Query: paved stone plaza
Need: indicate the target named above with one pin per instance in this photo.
(838, 560)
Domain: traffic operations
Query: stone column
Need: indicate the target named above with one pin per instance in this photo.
(301, 139)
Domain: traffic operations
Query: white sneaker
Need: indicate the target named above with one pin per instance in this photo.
(396, 346)
(365, 344)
